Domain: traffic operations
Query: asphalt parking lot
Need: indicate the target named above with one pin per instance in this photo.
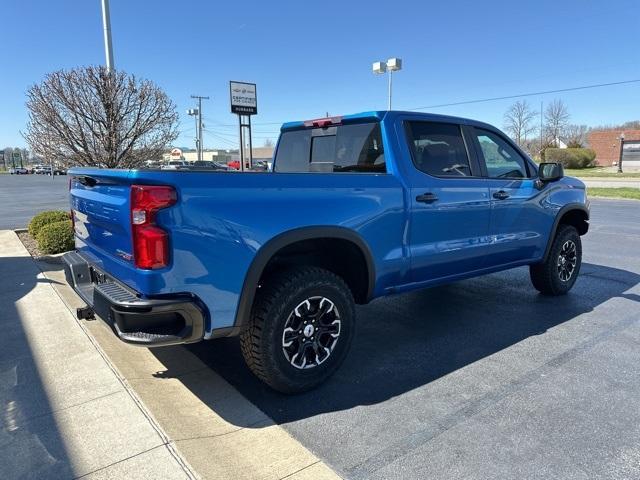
(479, 379)
(22, 196)
(484, 378)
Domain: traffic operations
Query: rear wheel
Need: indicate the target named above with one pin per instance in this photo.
(300, 329)
(559, 272)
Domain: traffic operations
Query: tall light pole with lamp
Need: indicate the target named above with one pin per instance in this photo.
(106, 26)
(391, 65)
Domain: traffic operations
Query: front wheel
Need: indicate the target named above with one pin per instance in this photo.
(557, 274)
(300, 329)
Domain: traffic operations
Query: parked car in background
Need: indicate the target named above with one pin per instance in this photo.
(258, 165)
(175, 165)
(41, 169)
(202, 165)
(234, 164)
(356, 207)
(221, 166)
(18, 171)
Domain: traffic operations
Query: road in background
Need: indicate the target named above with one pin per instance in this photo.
(484, 378)
(22, 196)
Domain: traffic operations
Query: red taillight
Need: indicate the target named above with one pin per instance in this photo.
(150, 242)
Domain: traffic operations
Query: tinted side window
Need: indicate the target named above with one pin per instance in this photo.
(346, 148)
(501, 159)
(293, 151)
(438, 149)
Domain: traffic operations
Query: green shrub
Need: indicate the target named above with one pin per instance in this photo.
(45, 218)
(56, 237)
(571, 157)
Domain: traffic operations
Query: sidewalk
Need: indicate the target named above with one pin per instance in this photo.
(611, 182)
(93, 405)
(65, 411)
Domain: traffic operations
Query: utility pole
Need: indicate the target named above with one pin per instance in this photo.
(200, 98)
(106, 25)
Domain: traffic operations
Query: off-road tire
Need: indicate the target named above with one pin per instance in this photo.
(262, 341)
(545, 276)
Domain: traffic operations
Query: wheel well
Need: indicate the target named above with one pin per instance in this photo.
(338, 255)
(577, 218)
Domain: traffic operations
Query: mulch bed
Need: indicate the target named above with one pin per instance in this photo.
(30, 243)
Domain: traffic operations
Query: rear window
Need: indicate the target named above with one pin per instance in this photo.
(343, 148)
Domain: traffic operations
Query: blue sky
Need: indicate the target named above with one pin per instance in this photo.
(309, 58)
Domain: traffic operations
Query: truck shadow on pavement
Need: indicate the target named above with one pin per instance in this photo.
(406, 341)
(31, 445)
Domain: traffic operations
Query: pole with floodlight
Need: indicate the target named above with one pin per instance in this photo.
(391, 65)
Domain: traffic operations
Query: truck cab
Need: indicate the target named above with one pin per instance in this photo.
(355, 207)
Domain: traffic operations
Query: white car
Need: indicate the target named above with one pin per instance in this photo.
(175, 165)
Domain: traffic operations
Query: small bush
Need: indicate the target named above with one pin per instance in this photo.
(45, 218)
(56, 237)
(571, 157)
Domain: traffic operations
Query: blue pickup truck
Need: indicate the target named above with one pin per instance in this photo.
(355, 207)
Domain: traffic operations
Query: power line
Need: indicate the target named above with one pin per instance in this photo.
(221, 139)
(532, 94)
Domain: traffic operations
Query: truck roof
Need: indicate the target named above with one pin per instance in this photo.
(377, 115)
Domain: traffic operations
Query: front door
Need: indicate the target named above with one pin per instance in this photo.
(518, 223)
(450, 207)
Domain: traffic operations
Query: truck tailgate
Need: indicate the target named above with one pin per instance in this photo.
(100, 204)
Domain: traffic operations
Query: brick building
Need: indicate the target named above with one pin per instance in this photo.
(606, 144)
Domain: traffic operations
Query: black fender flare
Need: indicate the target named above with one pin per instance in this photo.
(270, 248)
(567, 208)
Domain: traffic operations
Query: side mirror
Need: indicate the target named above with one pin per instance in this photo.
(550, 172)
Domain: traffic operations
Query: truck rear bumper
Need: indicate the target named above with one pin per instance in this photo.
(148, 322)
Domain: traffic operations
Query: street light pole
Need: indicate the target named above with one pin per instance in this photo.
(390, 88)
(621, 152)
(106, 25)
(390, 66)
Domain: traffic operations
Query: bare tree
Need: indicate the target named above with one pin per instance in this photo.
(268, 143)
(519, 121)
(92, 117)
(576, 135)
(8, 152)
(556, 118)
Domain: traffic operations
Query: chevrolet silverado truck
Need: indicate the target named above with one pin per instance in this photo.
(354, 208)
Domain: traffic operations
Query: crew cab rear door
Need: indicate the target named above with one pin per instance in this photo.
(518, 223)
(450, 207)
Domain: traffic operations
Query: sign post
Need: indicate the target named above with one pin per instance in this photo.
(16, 157)
(244, 103)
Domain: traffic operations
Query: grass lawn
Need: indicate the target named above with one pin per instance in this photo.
(599, 172)
(622, 192)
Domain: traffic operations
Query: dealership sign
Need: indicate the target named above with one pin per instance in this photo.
(176, 154)
(244, 100)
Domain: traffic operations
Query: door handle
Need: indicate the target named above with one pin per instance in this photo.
(500, 195)
(427, 197)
